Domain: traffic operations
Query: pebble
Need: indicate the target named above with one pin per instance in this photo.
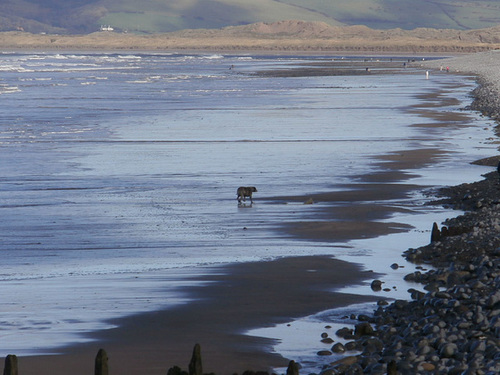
(338, 348)
(376, 285)
(344, 332)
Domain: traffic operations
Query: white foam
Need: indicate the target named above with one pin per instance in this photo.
(130, 57)
(4, 89)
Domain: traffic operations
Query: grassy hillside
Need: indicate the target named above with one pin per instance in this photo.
(157, 15)
(153, 16)
(410, 14)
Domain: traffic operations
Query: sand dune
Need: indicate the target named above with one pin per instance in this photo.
(285, 36)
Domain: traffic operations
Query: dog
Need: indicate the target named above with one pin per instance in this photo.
(245, 191)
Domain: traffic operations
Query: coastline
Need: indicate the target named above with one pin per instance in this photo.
(182, 352)
(453, 325)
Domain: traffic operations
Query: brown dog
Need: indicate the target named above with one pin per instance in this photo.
(245, 191)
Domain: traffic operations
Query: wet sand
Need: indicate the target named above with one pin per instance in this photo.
(237, 298)
(244, 296)
(362, 207)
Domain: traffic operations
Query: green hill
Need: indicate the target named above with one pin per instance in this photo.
(154, 16)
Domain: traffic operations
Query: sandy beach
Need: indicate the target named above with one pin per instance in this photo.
(236, 298)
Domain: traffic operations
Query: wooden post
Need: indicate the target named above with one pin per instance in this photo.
(293, 368)
(392, 368)
(195, 367)
(10, 365)
(435, 233)
(101, 363)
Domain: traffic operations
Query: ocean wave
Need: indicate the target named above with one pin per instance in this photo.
(219, 91)
(71, 69)
(201, 57)
(61, 57)
(35, 57)
(15, 68)
(140, 81)
(213, 57)
(5, 89)
(130, 57)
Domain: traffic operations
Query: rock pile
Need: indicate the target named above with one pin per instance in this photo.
(453, 327)
(451, 331)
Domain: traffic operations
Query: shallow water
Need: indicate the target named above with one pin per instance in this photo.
(119, 173)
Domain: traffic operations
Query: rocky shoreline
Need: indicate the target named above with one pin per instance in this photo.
(454, 326)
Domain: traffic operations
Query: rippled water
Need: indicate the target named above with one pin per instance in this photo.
(119, 173)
